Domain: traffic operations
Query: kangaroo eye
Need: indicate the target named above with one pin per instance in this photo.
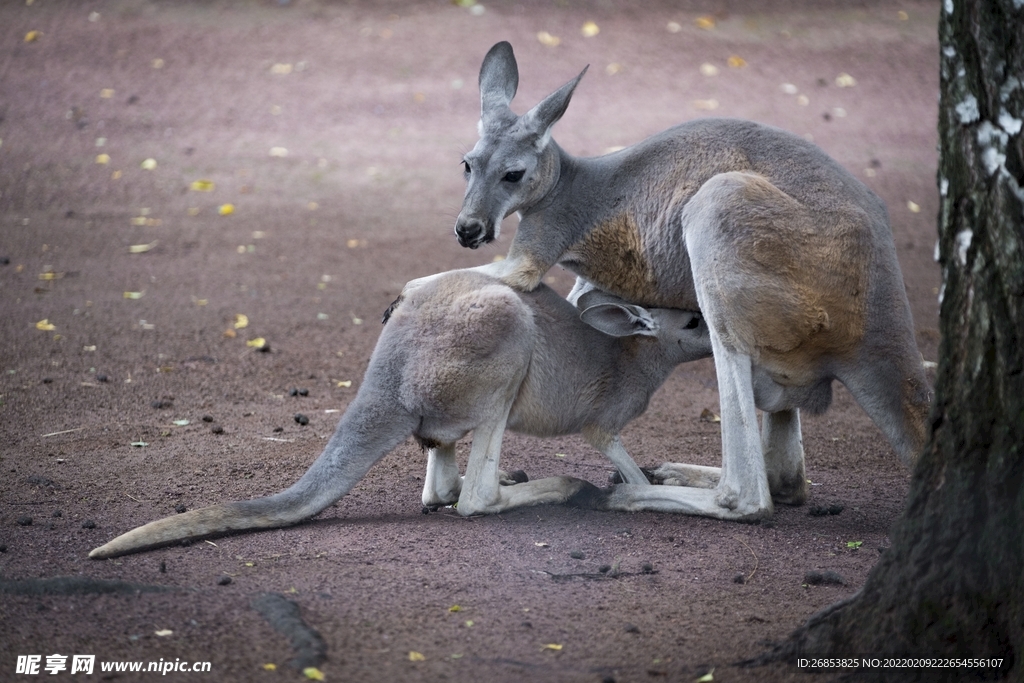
(466, 168)
(513, 176)
(694, 323)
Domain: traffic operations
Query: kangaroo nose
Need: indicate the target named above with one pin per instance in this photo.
(471, 233)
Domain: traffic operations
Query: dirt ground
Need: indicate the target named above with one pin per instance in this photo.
(335, 130)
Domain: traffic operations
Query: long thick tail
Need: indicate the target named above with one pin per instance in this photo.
(369, 430)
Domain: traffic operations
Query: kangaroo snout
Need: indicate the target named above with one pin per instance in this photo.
(472, 233)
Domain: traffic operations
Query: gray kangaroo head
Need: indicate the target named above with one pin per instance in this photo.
(512, 166)
(682, 335)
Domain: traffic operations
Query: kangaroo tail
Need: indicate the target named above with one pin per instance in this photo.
(367, 432)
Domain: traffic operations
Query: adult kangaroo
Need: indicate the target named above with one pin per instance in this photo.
(787, 255)
(468, 353)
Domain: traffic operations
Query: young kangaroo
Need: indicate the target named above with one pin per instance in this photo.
(467, 353)
(788, 256)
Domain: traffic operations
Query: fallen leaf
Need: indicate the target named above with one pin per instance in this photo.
(142, 248)
(157, 63)
(45, 325)
(149, 164)
(802, 100)
(469, 623)
(201, 186)
(107, 93)
(226, 209)
(707, 678)
(613, 68)
(241, 321)
(164, 632)
(281, 69)
(278, 151)
(454, 608)
(914, 208)
(549, 40)
(143, 444)
(116, 175)
(102, 158)
(230, 333)
(345, 384)
(707, 416)
(50, 275)
(708, 69)
(313, 673)
(180, 423)
(736, 62)
(789, 88)
(133, 295)
(845, 80)
(416, 657)
(33, 36)
(854, 544)
(257, 343)
(542, 544)
(673, 27)
(705, 22)
(902, 16)
(590, 29)
(552, 646)
(270, 666)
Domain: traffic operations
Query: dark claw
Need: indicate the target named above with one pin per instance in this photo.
(391, 309)
(616, 476)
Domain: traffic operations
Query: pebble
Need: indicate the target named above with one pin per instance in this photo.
(224, 580)
(207, 418)
(102, 378)
(647, 568)
(159, 405)
(632, 628)
(3, 547)
(217, 429)
(180, 507)
(301, 419)
(577, 555)
(604, 568)
(25, 520)
(58, 513)
(163, 567)
(739, 578)
(278, 430)
(88, 524)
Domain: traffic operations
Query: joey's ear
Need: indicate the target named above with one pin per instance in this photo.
(620, 320)
(499, 78)
(540, 119)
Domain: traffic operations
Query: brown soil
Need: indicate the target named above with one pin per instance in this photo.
(379, 105)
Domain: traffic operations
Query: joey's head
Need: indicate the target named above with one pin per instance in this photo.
(514, 165)
(681, 335)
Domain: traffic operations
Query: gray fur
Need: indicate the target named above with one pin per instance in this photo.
(788, 256)
(468, 353)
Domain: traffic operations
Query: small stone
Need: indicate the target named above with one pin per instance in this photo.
(278, 430)
(217, 429)
(163, 567)
(207, 418)
(293, 392)
(58, 513)
(303, 392)
(24, 520)
(577, 554)
(632, 628)
(224, 580)
(159, 405)
(4, 261)
(604, 568)
(47, 380)
(3, 547)
(88, 524)
(739, 578)
(301, 419)
(102, 378)
(647, 568)
(180, 507)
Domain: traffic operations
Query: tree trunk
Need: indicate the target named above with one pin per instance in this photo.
(952, 584)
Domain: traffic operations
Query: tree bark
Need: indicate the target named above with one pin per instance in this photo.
(952, 584)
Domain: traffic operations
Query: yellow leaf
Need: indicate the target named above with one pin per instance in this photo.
(116, 175)
(157, 63)
(141, 248)
(347, 383)
(845, 80)
(281, 69)
(707, 416)
(257, 343)
(613, 68)
(270, 666)
(102, 158)
(416, 657)
(705, 22)
(201, 185)
(552, 646)
(549, 40)
(33, 36)
(707, 678)
(50, 275)
(45, 325)
(149, 164)
(590, 29)
(133, 295)
(313, 673)
(226, 209)
(454, 608)
(163, 633)
(469, 623)
(736, 62)
(902, 16)
(914, 208)
(241, 320)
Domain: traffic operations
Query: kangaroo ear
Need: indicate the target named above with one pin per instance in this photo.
(540, 119)
(499, 78)
(620, 320)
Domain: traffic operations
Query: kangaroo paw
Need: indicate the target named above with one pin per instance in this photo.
(652, 476)
(512, 478)
(589, 497)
